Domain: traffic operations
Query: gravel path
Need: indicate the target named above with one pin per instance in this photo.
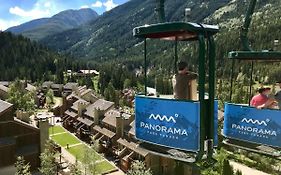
(246, 170)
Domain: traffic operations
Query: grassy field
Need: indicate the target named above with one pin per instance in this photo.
(56, 129)
(103, 167)
(64, 139)
(78, 151)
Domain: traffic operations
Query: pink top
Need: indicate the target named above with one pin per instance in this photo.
(258, 100)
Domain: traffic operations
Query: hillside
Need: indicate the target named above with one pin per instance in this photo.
(65, 20)
(111, 34)
(25, 59)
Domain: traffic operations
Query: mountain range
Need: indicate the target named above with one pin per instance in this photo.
(65, 20)
(109, 37)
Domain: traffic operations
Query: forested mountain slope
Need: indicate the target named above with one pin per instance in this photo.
(65, 20)
(22, 58)
(110, 36)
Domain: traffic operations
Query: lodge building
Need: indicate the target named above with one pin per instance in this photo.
(17, 139)
(92, 118)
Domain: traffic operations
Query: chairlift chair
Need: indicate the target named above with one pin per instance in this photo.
(248, 54)
(186, 31)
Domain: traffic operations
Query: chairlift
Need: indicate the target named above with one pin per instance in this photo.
(205, 115)
(246, 127)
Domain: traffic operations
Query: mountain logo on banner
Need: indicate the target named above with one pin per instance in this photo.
(163, 118)
(255, 121)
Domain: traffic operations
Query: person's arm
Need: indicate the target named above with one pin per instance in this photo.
(267, 104)
(192, 75)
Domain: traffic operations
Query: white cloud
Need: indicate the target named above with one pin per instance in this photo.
(33, 13)
(47, 4)
(97, 4)
(84, 7)
(109, 4)
(6, 24)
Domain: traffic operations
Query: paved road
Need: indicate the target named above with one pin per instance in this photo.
(246, 170)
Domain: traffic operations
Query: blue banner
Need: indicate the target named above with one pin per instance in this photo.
(262, 126)
(169, 123)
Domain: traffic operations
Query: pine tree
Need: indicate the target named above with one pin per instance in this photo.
(22, 167)
(238, 172)
(89, 158)
(227, 168)
(50, 97)
(138, 168)
(48, 164)
(74, 170)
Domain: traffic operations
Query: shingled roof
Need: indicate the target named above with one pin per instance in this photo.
(4, 88)
(4, 106)
(100, 104)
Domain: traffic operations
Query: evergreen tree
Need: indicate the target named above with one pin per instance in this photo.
(48, 164)
(50, 97)
(22, 167)
(238, 172)
(227, 168)
(74, 170)
(127, 83)
(138, 168)
(21, 99)
(89, 158)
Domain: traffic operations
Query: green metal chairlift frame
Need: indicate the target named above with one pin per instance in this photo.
(248, 54)
(186, 31)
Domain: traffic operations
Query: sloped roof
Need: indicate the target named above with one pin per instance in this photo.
(71, 113)
(75, 104)
(4, 106)
(30, 87)
(100, 104)
(134, 147)
(110, 117)
(4, 88)
(47, 83)
(85, 121)
(56, 86)
(70, 85)
(5, 83)
(104, 131)
(131, 128)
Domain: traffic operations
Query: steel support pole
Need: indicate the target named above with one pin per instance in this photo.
(176, 56)
(211, 104)
(231, 79)
(145, 69)
(251, 80)
(202, 73)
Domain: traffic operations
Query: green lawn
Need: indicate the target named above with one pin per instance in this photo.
(78, 151)
(56, 129)
(104, 167)
(64, 139)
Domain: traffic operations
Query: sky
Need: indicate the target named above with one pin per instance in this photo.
(15, 12)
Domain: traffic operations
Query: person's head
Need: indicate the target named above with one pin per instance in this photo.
(182, 67)
(264, 90)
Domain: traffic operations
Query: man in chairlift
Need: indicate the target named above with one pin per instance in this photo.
(181, 82)
(262, 100)
(278, 95)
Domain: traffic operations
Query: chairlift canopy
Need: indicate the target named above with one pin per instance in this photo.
(255, 55)
(179, 31)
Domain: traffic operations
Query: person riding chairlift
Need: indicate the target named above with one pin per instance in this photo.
(181, 82)
(278, 95)
(262, 100)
